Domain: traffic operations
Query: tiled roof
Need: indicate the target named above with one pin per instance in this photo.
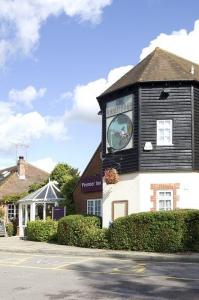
(160, 65)
(12, 184)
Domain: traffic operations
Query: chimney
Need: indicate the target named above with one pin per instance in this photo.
(21, 168)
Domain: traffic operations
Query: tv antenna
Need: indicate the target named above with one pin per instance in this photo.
(21, 149)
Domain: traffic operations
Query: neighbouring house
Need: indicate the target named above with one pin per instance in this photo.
(40, 205)
(150, 134)
(87, 194)
(17, 180)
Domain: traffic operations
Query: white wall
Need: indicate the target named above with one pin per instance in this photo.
(125, 189)
(136, 188)
(188, 192)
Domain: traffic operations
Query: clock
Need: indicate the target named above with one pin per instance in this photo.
(119, 132)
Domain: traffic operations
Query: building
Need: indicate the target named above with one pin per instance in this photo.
(17, 180)
(150, 134)
(87, 194)
(40, 205)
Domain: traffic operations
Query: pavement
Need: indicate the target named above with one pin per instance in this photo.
(18, 245)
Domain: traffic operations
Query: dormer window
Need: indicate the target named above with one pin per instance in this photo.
(164, 132)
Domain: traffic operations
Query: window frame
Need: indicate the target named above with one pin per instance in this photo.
(12, 211)
(158, 199)
(158, 142)
(95, 212)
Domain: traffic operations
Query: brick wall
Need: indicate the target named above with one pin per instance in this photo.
(80, 198)
(164, 186)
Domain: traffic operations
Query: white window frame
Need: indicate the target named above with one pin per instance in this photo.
(95, 211)
(164, 143)
(158, 197)
(12, 210)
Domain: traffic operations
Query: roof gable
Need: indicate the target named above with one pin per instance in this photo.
(12, 184)
(160, 65)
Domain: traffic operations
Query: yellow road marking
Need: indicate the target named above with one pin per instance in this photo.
(140, 270)
(105, 273)
(73, 263)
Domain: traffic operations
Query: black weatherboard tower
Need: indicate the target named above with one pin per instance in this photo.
(161, 87)
(150, 133)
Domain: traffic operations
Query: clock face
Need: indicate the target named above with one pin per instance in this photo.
(119, 132)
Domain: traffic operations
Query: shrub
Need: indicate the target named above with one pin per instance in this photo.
(42, 231)
(95, 238)
(10, 229)
(82, 231)
(2, 213)
(169, 231)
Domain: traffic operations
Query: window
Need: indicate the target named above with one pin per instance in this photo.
(165, 200)
(94, 207)
(164, 132)
(12, 211)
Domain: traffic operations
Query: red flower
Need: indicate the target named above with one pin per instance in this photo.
(111, 176)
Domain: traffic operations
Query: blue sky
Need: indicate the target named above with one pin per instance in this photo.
(56, 56)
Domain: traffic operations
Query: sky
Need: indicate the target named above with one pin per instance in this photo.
(57, 56)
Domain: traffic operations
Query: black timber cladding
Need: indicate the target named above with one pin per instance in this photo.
(176, 107)
(196, 127)
(127, 160)
(160, 69)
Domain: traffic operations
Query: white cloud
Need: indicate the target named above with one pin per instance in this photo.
(21, 20)
(20, 128)
(85, 106)
(47, 164)
(26, 96)
(182, 43)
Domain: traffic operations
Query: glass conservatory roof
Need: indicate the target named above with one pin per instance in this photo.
(48, 193)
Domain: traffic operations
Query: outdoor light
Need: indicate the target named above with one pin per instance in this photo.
(110, 150)
(99, 113)
(164, 93)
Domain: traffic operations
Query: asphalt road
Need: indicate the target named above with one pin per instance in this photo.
(40, 277)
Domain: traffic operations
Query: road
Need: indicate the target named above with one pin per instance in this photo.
(40, 277)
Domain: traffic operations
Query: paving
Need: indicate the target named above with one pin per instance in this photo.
(40, 276)
(17, 245)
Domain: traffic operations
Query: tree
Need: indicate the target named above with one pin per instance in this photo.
(67, 178)
(35, 186)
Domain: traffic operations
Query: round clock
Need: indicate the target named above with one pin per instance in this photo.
(119, 132)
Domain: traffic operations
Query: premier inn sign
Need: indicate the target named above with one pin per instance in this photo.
(91, 184)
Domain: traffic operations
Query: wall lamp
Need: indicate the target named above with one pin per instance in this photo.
(164, 93)
(99, 113)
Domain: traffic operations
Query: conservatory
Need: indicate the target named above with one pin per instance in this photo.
(39, 205)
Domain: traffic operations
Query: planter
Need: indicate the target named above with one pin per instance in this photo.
(111, 176)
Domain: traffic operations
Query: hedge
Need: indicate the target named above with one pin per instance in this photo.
(169, 231)
(10, 229)
(82, 231)
(42, 231)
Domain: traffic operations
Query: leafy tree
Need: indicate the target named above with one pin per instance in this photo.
(67, 178)
(35, 186)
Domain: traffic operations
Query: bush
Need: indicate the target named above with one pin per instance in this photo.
(10, 229)
(2, 213)
(42, 231)
(169, 231)
(82, 231)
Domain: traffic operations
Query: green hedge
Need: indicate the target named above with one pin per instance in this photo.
(169, 231)
(42, 231)
(82, 231)
(10, 229)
